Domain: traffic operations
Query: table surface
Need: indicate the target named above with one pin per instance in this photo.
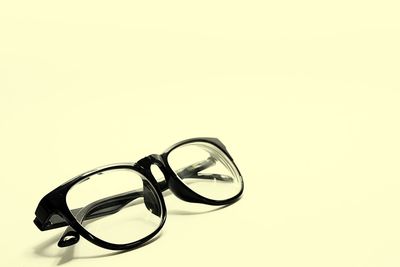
(305, 95)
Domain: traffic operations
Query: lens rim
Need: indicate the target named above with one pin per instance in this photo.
(181, 190)
(71, 220)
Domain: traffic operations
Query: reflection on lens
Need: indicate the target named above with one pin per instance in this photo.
(206, 170)
(118, 206)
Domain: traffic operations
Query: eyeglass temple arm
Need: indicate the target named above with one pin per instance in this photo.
(113, 204)
(99, 208)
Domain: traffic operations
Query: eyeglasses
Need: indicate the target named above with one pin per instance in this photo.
(121, 206)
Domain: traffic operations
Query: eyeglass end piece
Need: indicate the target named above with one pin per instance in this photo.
(68, 239)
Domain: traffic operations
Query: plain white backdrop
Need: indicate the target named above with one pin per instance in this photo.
(305, 95)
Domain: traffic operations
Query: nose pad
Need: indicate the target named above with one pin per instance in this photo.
(150, 199)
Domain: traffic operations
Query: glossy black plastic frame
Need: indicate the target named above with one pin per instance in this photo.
(53, 212)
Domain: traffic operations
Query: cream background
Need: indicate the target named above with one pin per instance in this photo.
(305, 94)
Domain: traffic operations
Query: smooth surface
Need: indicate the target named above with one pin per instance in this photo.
(305, 94)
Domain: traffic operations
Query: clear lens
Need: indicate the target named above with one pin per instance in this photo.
(118, 206)
(206, 170)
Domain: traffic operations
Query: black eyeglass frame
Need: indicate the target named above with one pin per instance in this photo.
(53, 212)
